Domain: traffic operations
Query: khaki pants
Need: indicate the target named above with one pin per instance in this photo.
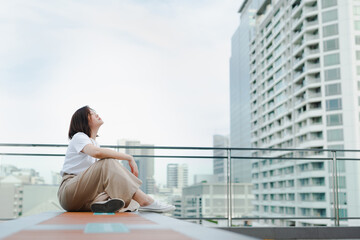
(77, 192)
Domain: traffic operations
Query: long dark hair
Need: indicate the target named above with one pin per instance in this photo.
(80, 122)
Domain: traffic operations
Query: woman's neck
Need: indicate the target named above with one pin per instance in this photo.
(94, 133)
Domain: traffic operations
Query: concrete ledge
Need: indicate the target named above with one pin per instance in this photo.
(16, 225)
(299, 232)
(88, 226)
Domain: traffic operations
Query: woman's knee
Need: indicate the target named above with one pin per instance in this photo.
(109, 162)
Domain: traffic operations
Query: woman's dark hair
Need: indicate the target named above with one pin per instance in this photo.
(80, 122)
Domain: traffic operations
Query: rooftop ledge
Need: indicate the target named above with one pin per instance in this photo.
(87, 225)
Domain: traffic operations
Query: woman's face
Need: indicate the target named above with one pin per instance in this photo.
(94, 119)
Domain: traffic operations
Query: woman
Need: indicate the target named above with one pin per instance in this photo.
(93, 179)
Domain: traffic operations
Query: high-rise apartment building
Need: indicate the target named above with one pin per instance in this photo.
(177, 175)
(145, 164)
(304, 72)
(240, 112)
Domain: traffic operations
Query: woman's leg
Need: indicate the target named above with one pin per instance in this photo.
(106, 175)
(142, 198)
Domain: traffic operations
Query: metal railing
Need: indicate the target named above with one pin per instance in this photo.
(229, 157)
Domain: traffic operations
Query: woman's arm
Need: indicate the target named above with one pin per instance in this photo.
(100, 153)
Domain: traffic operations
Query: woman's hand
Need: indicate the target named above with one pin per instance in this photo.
(134, 167)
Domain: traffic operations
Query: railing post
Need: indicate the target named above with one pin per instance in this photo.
(335, 191)
(229, 193)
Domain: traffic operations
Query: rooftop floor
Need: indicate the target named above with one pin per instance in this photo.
(87, 225)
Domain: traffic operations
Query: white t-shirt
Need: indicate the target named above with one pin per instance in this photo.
(76, 161)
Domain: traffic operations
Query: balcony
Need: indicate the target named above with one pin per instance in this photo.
(311, 37)
(312, 65)
(311, 23)
(230, 193)
(310, 10)
(311, 51)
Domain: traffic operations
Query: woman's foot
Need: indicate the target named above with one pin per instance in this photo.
(157, 206)
(108, 206)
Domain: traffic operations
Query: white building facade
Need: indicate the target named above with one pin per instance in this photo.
(177, 175)
(210, 200)
(304, 93)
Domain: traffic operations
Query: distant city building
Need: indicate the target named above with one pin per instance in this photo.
(6, 170)
(145, 164)
(210, 200)
(220, 164)
(177, 175)
(172, 175)
(295, 71)
(240, 111)
(25, 194)
(25, 175)
(205, 178)
(56, 178)
(11, 199)
(177, 202)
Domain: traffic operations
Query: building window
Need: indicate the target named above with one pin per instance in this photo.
(328, 3)
(278, 61)
(357, 55)
(335, 135)
(329, 16)
(331, 44)
(331, 59)
(342, 182)
(318, 196)
(333, 89)
(343, 213)
(334, 120)
(291, 197)
(356, 10)
(278, 73)
(318, 181)
(333, 104)
(332, 74)
(357, 40)
(330, 30)
(290, 183)
(357, 25)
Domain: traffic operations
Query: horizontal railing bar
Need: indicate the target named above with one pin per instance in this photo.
(33, 154)
(282, 158)
(262, 218)
(135, 156)
(179, 156)
(242, 218)
(31, 145)
(186, 148)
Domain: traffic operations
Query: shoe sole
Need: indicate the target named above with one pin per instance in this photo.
(110, 206)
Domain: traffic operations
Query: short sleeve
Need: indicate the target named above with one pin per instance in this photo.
(79, 141)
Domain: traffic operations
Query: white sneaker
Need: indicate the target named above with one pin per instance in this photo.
(158, 207)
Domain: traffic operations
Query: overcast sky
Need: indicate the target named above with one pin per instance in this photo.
(155, 71)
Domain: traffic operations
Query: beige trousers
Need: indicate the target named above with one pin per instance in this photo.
(77, 192)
